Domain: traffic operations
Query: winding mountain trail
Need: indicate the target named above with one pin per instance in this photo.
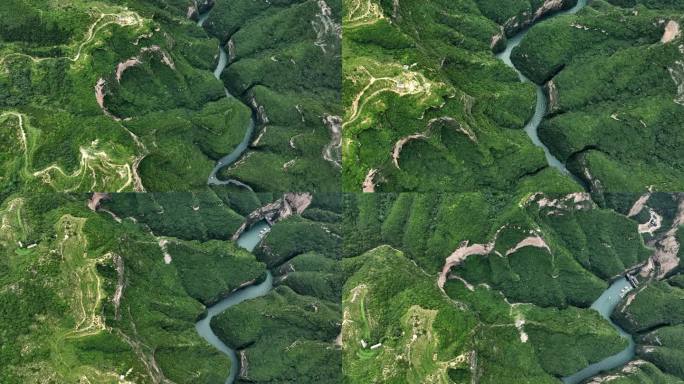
(96, 170)
(402, 83)
(84, 294)
(124, 19)
(92, 163)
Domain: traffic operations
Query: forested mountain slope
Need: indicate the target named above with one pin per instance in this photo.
(119, 95)
(456, 288)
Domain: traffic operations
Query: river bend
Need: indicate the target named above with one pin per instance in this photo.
(532, 126)
(607, 302)
(249, 131)
(248, 240)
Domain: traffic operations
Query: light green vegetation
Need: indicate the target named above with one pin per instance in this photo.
(657, 304)
(119, 96)
(389, 301)
(93, 300)
(69, 142)
(516, 14)
(297, 235)
(567, 340)
(663, 347)
(231, 267)
(313, 274)
(421, 83)
(199, 215)
(665, 205)
(616, 95)
(641, 372)
(289, 337)
(427, 337)
(96, 297)
(361, 294)
(517, 313)
(655, 315)
(584, 240)
(429, 108)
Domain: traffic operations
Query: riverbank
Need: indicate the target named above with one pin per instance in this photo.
(605, 305)
(248, 240)
(541, 107)
(610, 298)
(238, 151)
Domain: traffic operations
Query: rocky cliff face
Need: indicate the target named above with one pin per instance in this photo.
(198, 7)
(552, 96)
(288, 205)
(94, 201)
(520, 22)
(332, 152)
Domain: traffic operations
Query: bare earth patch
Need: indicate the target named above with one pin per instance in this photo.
(666, 255)
(400, 144)
(333, 150)
(653, 224)
(94, 201)
(369, 182)
(459, 255)
(531, 241)
(639, 205)
(671, 32)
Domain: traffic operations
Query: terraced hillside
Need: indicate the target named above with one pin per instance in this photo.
(459, 288)
(396, 288)
(429, 108)
(119, 95)
(102, 293)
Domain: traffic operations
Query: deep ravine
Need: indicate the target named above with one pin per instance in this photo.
(611, 296)
(248, 240)
(532, 126)
(238, 151)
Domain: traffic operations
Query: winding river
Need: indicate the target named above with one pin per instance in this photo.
(607, 302)
(248, 240)
(532, 126)
(605, 305)
(240, 149)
